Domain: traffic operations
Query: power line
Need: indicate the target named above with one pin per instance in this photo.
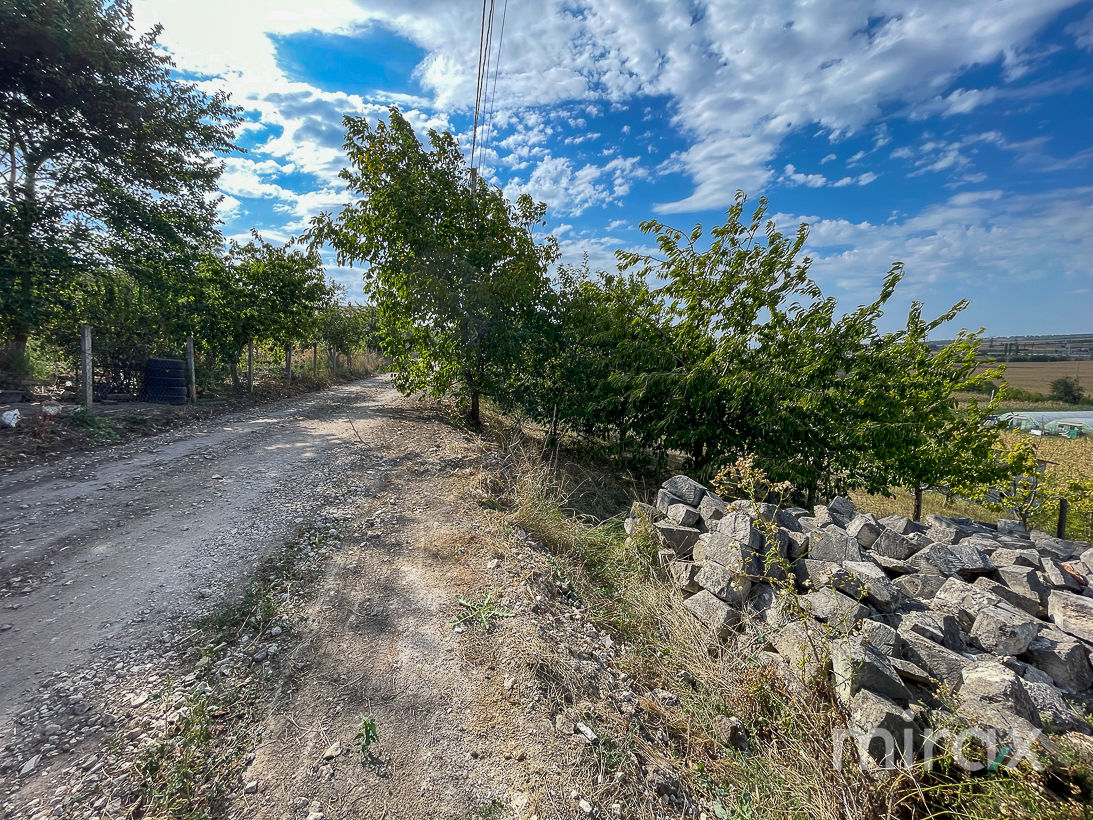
(496, 67)
(485, 37)
(478, 81)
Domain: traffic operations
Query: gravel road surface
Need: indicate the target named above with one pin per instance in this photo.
(121, 544)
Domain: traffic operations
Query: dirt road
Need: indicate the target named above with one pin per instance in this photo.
(108, 557)
(120, 544)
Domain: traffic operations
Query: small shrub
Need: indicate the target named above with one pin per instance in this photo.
(367, 734)
(1067, 389)
(100, 430)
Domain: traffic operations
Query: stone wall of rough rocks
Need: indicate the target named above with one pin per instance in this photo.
(894, 611)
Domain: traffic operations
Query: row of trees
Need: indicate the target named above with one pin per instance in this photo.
(715, 346)
(108, 194)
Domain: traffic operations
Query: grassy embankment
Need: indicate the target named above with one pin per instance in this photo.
(575, 506)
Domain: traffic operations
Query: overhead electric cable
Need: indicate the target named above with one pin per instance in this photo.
(486, 69)
(496, 66)
(478, 81)
(485, 37)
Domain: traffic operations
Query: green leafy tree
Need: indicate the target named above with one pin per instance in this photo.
(259, 292)
(454, 271)
(1067, 389)
(598, 333)
(759, 362)
(1021, 493)
(920, 436)
(716, 305)
(106, 159)
(349, 327)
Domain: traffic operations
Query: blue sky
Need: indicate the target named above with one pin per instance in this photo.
(956, 137)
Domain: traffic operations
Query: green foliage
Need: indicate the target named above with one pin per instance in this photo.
(259, 292)
(922, 437)
(1067, 389)
(367, 734)
(1021, 495)
(455, 272)
(100, 430)
(716, 346)
(106, 159)
(737, 351)
(1019, 394)
(484, 612)
(349, 328)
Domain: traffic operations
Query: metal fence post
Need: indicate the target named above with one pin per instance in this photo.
(250, 366)
(1064, 508)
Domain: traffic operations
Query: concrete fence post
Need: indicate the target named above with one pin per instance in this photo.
(87, 373)
(192, 392)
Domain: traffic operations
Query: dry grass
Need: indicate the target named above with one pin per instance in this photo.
(902, 502)
(1038, 376)
(787, 769)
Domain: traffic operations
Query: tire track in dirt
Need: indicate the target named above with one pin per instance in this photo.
(471, 723)
(119, 545)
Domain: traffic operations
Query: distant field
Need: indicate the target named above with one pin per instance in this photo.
(1038, 376)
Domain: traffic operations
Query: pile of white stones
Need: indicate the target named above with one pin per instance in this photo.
(897, 613)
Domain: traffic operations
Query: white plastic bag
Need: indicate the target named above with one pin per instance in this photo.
(10, 418)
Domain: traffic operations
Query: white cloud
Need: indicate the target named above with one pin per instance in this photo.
(935, 155)
(792, 176)
(600, 251)
(1082, 32)
(244, 177)
(860, 179)
(972, 242)
(739, 82)
(228, 208)
(569, 191)
(964, 100)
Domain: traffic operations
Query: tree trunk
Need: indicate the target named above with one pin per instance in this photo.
(917, 513)
(480, 378)
(288, 363)
(697, 450)
(235, 371)
(16, 347)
